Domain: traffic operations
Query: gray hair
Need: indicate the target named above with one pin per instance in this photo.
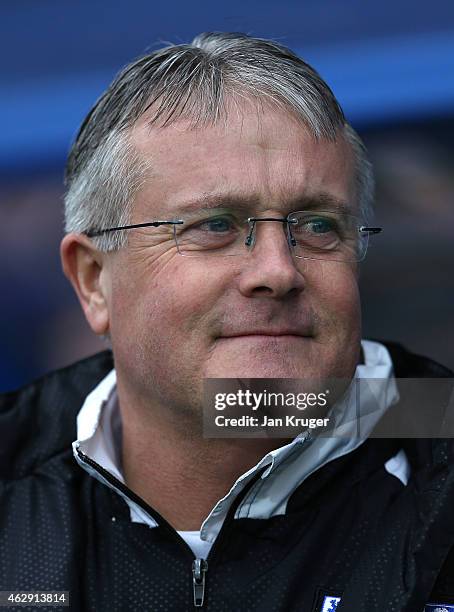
(192, 81)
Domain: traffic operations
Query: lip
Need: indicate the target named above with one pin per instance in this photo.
(268, 333)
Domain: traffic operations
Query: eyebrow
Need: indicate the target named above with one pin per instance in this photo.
(218, 200)
(207, 201)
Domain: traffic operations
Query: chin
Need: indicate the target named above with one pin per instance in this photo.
(263, 368)
(283, 358)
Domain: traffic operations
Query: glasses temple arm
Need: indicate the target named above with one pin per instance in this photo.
(370, 230)
(93, 233)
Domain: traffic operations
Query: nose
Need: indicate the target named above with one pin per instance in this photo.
(269, 268)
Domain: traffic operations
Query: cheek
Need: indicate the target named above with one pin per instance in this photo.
(174, 301)
(161, 327)
(337, 307)
(336, 288)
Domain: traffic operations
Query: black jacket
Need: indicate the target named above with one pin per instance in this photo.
(350, 530)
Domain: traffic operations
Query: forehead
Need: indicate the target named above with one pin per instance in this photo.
(262, 155)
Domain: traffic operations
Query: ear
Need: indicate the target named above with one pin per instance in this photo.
(85, 267)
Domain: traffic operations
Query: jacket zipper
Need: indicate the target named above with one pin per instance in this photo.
(199, 565)
(199, 569)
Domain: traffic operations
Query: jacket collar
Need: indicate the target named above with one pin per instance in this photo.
(99, 437)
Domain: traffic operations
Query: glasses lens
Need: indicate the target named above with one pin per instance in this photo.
(322, 235)
(326, 235)
(220, 234)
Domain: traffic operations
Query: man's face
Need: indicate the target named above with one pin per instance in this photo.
(175, 320)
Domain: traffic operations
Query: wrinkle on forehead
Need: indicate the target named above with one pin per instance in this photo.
(231, 119)
(259, 148)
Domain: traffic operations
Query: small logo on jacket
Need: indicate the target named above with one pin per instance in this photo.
(330, 603)
(439, 608)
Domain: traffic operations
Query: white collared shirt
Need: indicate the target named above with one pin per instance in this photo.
(99, 437)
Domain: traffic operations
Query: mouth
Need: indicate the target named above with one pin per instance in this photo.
(296, 326)
(286, 334)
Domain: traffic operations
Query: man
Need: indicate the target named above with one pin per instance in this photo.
(218, 205)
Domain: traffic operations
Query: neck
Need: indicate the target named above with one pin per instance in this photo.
(175, 470)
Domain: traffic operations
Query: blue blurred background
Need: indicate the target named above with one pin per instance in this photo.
(391, 65)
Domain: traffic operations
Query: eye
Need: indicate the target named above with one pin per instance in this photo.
(217, 224)
(319, 225)
(315, 225)
(209, 233)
